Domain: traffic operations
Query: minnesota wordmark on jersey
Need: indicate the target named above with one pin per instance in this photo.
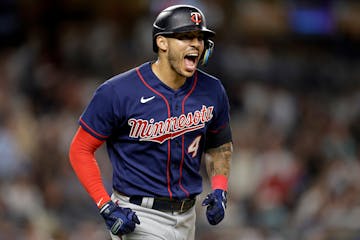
(172, 127)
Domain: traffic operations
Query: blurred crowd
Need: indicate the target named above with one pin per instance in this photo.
(292, 72)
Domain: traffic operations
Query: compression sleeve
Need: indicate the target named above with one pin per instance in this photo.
(82, 159)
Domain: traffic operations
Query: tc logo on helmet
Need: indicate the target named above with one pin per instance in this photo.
(196, 18)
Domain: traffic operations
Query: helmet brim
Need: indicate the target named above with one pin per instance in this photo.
(207, 33)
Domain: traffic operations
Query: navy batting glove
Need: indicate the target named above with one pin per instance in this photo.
(216, 204)
(119, 220)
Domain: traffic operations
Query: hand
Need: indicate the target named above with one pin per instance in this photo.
(119, 220)
(216, 204)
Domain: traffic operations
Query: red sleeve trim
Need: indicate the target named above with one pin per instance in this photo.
(82, 159)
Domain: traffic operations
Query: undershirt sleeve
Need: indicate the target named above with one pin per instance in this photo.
(82, 159)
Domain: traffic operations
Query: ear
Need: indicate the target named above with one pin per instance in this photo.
(162, 42)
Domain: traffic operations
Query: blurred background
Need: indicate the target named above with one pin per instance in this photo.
(292, 72)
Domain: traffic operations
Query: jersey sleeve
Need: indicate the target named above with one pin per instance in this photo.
(219, 131)
(99, 117)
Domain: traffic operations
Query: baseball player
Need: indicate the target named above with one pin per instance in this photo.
(158, 120)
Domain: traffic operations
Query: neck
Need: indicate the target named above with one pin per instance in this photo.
(167, 75)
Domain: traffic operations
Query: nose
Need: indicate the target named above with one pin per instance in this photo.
(196, 42)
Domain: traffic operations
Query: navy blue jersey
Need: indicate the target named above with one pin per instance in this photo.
(155, 135)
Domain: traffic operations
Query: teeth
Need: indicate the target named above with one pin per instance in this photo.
(192, 55)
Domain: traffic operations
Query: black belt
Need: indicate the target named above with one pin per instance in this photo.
(167, 204)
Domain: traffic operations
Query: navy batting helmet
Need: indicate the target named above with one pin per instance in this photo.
(180, 19)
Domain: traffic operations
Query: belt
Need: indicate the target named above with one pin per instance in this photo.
(165, 204)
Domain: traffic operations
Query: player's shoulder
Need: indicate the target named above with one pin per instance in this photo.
(204, 75)
(123, 81)
(208, 79)
(122, 78)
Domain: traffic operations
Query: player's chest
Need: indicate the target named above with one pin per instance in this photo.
(161, 116)
(149, 106)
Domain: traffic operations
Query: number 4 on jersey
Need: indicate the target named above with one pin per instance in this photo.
(194, 146)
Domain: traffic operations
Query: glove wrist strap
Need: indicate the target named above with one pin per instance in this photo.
(104, 207)
(219, 182)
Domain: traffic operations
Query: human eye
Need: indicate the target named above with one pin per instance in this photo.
(185, 37)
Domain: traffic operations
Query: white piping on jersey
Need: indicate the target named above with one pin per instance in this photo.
(148, 130)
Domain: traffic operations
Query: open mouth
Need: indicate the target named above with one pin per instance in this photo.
(192, 56)
(191, 61)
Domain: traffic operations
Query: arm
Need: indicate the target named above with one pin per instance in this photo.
(82, 159)
(119, 220)
(217, 162)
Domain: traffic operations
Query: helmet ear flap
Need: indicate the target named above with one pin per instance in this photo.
(209, 48)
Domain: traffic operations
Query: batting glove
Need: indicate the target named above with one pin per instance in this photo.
(216, 204)
(119, 220)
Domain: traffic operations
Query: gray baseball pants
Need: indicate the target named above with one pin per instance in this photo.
(156, 225)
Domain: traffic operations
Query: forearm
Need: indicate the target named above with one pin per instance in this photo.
(218, 160)
(85, 166)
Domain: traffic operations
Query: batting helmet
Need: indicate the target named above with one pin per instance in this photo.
(180, 19)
